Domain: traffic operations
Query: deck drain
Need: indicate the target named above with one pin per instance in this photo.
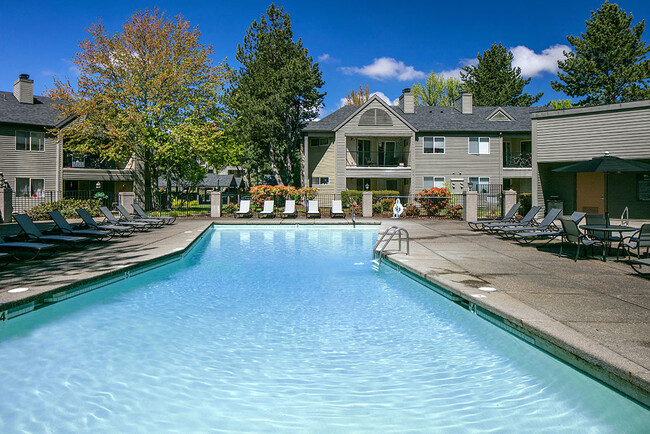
(18, 290)
(487, 289)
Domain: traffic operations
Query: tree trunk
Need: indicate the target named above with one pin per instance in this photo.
(147, 179)
(274, 168)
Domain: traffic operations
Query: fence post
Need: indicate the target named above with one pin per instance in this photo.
(366, 203)
(470, 210)
(509, 199)
(126, 199)
(6, 204)
(215, 204)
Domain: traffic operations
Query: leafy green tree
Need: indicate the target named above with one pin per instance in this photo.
(358, 98)
(149, 91)
(274, 92)
(437, 90)
(608, 64)
(494, 82)
(560, 104)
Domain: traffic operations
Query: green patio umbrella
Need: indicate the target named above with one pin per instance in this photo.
(606, 164)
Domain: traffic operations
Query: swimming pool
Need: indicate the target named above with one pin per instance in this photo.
(285, 329)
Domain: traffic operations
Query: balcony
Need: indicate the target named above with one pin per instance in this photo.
(76, 161)
(518, 160)
(377, 159)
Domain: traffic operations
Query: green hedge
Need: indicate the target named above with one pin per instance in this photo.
(526, 202)
(348, 196)
(67, 207)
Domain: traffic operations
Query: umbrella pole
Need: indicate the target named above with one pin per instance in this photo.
(606, 200)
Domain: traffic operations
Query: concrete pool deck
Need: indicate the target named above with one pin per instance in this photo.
(591, 314)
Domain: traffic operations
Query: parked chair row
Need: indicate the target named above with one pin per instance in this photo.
(32, 242)
(289, 209)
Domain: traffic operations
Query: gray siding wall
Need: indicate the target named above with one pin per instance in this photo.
(321, 164)
(30, 164)
(581, 134)
(456, 162)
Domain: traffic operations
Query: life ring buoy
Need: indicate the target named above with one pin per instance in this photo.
(398, 209)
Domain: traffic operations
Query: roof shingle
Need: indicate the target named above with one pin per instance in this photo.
(42, 113)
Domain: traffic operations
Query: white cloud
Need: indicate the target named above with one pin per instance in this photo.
(385, 68)
(533, 64)
(383, 97)
(455, 73)
(324, 58)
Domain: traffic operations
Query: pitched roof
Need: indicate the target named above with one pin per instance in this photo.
(438, 118)
(42, 113)
(211, 180)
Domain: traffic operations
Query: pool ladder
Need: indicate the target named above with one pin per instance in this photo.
(390, 233)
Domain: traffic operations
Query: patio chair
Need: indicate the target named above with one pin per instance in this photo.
(244, 208)
(337, 209)
(90, 222)
(312, 209)
(34, 249)
(4, 259)
(127, 217)
(66, 229)
(637, 241)
(546, 225)
(168, 220)
(549, 235)
(267, 210)
(573, 235)
(641, 266)
(509, 217)
(527, 220)
(110, 218)
(289, 208)
(28, 227)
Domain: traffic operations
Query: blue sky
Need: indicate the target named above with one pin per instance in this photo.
(388, 45)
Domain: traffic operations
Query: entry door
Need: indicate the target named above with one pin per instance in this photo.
(590, 193)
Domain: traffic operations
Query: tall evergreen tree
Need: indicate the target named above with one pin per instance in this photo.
(437, 90)
(273, 94)
(608, 64)
(494, 82)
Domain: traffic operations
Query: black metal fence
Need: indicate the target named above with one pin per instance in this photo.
(490, 199)
(23, 203)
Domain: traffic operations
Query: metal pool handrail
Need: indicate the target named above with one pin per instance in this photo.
(392, 231)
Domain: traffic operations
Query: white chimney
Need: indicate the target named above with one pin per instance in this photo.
(24, 89)
(463, 103)
(407, 101)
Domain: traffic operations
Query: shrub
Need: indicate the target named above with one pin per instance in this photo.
(377, 195)
(279, 193)
(526, 202)
(349, 196)
(229, 209)
(67, 207)
(433, 200)
(410, 210)
(376, 208)
(181, 203)
(387, 204)
(455, 212)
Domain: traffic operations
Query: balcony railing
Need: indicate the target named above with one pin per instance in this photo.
(518, 160)
(377, 159)
(88, 162)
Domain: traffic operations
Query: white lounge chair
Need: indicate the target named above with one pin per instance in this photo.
(267, 211)
(312, 209)
(289, 208)
(244, 208)
(337, 209)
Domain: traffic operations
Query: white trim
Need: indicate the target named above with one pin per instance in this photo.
(478, 138)
(366, 104)
(29, 145)
(444, 145)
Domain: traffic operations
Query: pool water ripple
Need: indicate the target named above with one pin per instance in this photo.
(279, 330)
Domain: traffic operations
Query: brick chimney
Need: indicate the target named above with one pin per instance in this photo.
(407, 101)
(24, 89)
(463, 103)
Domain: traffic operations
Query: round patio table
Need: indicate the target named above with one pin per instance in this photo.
(609, 230)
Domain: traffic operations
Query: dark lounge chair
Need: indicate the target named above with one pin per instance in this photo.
(26, 251)
(546, 225)
(509, 217)
(65, 227)
(4, 258)
(126, 217)
(110, 218)
(90, 222)
(528, 220)
(168, 220)
(28, 227)
(641, 266)
(530, 236)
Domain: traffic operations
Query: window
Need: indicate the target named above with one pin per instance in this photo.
(323, 180)
(319, 141)
(26, 187)
(480, 184)
(26, 141)
(526, 147)
(375, 117)
(434, 145)
(479, 145)
(363, 153)
(434, 181)
(391, 184)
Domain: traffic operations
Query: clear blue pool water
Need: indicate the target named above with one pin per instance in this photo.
(278, 330)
